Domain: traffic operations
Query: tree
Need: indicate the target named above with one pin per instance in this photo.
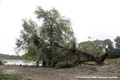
(43, 42)
(53, 41)
(117, 42)
(117, 46)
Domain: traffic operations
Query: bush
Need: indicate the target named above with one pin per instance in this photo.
(65, 64)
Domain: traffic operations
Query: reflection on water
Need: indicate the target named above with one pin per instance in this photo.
(19, 62)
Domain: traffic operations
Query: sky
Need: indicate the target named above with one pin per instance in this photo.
(99, 19)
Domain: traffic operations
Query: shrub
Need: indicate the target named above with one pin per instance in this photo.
(65, 64)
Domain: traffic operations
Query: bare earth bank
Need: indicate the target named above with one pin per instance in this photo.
(110, 69)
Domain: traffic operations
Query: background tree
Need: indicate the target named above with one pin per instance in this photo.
(111, 50)
(117, 42)
(117, 46)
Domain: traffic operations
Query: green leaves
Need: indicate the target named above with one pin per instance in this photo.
(40, 13)
(117, 44)
(92, 47)
(39, 41)
(54, 25)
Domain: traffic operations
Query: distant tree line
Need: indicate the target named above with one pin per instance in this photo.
(6, 56)
(53, 42)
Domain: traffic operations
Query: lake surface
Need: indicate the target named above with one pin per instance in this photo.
(19, 62)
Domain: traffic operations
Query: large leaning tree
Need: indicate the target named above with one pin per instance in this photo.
(43, 42)
(52, 42)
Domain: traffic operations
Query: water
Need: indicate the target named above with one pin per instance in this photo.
(19, 62)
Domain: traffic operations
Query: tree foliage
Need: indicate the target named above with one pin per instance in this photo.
(117, 42)
(117, 47)
(44, 42)
(96, 48)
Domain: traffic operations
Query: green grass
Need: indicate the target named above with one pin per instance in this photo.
(10, 76)
(4, 76)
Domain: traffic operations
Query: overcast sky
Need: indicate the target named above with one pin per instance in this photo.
(97, 18)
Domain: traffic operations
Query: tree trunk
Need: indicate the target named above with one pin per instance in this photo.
(103, 57)
(44, 63)
(37, 63)
(49, 62)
